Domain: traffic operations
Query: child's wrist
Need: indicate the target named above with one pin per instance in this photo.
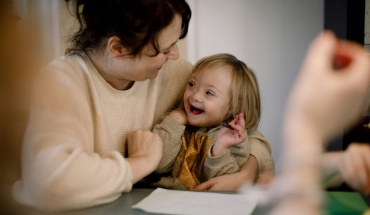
(217, 150)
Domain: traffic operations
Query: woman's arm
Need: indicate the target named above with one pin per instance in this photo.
(64, 163)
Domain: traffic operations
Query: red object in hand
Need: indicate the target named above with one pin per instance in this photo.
(341, 61)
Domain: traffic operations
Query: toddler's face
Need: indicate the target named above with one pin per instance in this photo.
(207, 96)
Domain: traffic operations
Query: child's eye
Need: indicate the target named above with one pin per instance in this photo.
(209, 93)
(191, 84)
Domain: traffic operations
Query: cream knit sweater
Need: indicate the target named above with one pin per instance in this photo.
(75, 143)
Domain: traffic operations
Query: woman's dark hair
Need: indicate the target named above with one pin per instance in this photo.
(135, 22)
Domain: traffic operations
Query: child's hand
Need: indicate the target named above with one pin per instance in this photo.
(180, 116)
(227, 138)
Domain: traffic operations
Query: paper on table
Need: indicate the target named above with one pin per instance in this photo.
(194, 203)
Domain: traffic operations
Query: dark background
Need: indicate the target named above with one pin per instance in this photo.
(346, 18)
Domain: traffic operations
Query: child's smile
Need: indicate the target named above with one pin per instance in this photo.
(195, 111)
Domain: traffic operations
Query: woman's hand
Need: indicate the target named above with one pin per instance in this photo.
(144, 153)
(233, 182)
(227, 138)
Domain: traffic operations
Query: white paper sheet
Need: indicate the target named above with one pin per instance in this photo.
(195, 203)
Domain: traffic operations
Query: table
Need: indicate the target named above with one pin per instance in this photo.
(337, 203)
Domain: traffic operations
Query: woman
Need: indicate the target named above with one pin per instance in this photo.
(88, 138)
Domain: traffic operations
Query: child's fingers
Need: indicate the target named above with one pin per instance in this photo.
(241, 120)
(238, 124)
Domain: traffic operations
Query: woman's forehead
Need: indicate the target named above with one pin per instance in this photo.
(171, 34)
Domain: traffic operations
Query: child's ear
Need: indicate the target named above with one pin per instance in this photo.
(115, 48)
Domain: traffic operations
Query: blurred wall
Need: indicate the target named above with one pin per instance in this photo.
(52, 22)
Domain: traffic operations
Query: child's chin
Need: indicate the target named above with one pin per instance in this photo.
(197, 124)
(194, 123)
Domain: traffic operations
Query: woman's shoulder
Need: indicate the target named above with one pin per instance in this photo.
(71, 66)
(68, 63)
(65, 71)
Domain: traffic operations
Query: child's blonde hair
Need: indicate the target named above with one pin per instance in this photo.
(245, 96)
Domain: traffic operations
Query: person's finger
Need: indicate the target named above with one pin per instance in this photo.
(364, 164)
(238, 121)
(360, 176)
(326, 43)
(348, 170)
(356, 167)
(204, 186)
(355, 64)
(242, 120)
(367, 164)
(341, 61)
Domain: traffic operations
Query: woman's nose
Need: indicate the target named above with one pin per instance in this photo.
(174, 53)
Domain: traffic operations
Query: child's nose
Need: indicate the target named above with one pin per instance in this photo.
(197, 97)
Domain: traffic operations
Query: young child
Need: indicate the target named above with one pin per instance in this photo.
(208, 135)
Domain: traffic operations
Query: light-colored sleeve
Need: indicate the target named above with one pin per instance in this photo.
(60, 168)
(170, 132)
(261, 150)
(226, 163)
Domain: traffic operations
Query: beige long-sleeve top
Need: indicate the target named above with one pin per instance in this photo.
(75, 143)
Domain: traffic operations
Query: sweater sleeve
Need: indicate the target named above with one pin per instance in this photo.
(226, 163)
(261, 150)
(170, 132)
(61, 169)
